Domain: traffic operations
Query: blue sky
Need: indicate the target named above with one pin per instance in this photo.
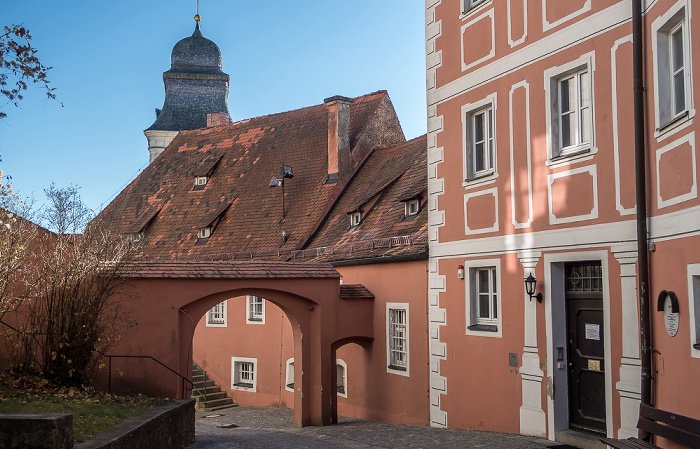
(108, 59)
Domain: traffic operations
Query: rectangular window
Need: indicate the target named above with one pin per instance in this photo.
(479, 139)
(483, 305)
(216, 317)
(672, 95)
(243, 376)
(397, 338)
(289, 381)
(255, 310)
(694, 308)
(569, 89)
(469, 4)
(341, 377)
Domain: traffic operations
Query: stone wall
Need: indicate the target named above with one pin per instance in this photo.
(165, 427)
(37, 431)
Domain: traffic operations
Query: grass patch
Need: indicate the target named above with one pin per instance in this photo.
(93, 412)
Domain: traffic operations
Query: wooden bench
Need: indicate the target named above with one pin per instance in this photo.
(673, 427)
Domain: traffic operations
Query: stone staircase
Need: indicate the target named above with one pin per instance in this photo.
(208, 395)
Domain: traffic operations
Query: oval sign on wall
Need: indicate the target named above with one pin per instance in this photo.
(668, 302)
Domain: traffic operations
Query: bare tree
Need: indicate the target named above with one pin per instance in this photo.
(72, 312)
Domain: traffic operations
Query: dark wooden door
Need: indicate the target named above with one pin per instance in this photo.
(584, 301)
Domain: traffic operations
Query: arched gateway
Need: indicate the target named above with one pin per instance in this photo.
(167, 299)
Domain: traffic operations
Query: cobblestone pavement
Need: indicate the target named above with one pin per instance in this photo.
(273, 428)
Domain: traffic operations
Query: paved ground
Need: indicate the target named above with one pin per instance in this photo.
(272, 428)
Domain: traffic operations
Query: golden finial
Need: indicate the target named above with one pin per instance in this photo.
(197, 17)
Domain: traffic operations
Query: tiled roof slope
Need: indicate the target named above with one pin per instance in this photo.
(241, 158)
(388, 178)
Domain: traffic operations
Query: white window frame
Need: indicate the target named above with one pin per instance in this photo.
(556, 154)
(289, 377)
(662, 30)
(390, 347)
(200, 182)
(250, 316)
(469, 113)
(217, 321)
(469, 6)
(476, 325)
(236, 381)
(694, 307)
(412, 207)
(355, 219)
(204, 233)
(339, 363)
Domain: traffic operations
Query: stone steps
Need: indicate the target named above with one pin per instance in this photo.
(208, 395)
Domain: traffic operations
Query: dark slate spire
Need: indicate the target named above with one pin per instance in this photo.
(195, 85)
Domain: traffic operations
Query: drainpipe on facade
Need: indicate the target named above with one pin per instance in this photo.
(641, 198)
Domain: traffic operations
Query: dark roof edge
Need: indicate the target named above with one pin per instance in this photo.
(381, 259)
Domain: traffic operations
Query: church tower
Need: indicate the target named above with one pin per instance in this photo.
(195, 86)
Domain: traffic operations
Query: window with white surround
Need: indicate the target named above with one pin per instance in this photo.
(469, 4)
(289, 380)
(570, 129)
(203, 236)
(243, 375)
(255, 310)
(483, 304)
(671, 47)
(355, 220)
(341, 375)
(411, 208)
(216, 316)
(479, 140)
(200, 182)
(397, 338)
(694, 308)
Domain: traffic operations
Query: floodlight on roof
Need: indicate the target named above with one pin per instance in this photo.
(274, 182)
(287, 172)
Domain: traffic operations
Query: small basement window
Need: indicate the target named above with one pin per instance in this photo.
(200, 182)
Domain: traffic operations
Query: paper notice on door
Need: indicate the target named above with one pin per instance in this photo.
(592, 331)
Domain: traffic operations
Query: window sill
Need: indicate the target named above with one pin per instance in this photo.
(483, 328)
(243, 385)
(696, 346)
(473, 9)
(674, 124)
(580, 155)
(397, 368)
(257, 320)
(481, 180)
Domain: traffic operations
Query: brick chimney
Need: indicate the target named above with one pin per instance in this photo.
(338, 137)
(217, 118)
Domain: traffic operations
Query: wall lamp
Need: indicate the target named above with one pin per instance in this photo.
(530, 285)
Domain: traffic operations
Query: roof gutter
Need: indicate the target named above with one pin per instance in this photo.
(641, 198)
(381, 259)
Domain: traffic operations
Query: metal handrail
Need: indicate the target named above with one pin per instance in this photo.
(110, 356)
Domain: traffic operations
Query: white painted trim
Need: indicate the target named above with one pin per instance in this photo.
(515, 42)
(693, 301)
(592, 169)
(616, 137)
(574, 34)
(551, 75)
(206, 317)
(398, 306)
(467, 112)
(492, 53)
(690, 138)
(234, 370)
(525, 85)
(248, 298)
(546, 26)
(342, 363)
(470, 299)
(467, 197)
(437, 318)
(463, 15)
(549, 259)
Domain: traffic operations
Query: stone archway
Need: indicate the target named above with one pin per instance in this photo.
(165, 297)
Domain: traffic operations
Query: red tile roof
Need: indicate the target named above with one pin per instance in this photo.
(355, 291)
(240, 159)
(227, 270)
